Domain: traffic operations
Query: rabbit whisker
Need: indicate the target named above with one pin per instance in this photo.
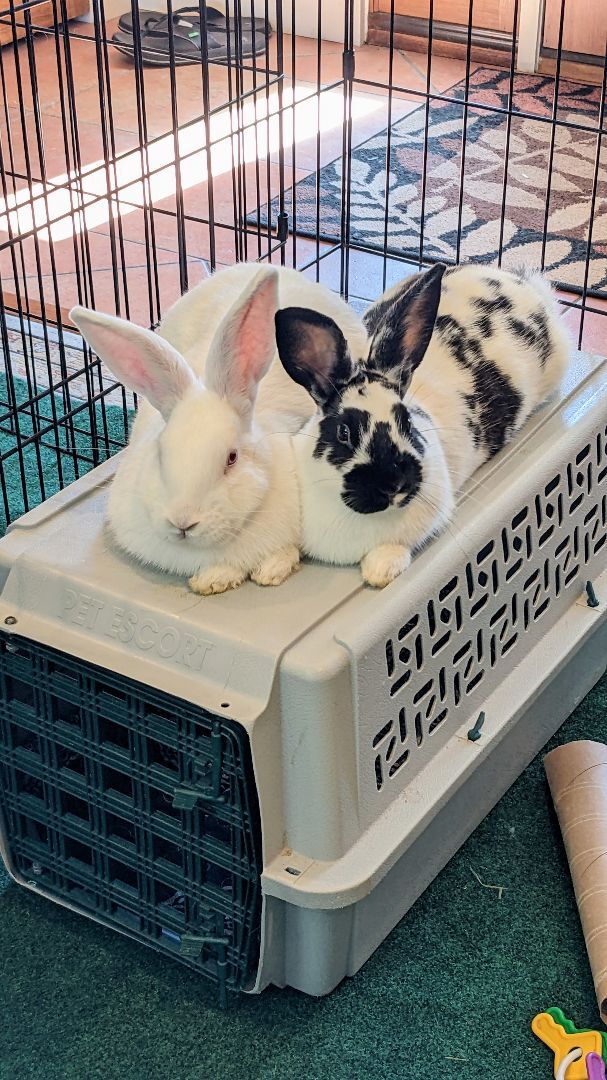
(448, 525)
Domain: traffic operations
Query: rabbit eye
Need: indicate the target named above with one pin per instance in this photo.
(231, 459)
(343, 434)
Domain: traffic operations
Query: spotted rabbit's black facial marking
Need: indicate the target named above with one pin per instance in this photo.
(381, 463)
(342, 434)
(405, 421)
(361, 493)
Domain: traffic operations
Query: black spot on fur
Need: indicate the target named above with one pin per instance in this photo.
(535, 334)
(543, 340)
(403, 419)
(363, 377)
(382, 448)
(407, 429)
(474, 347)
(485, 326)
(464, 347)
(412, 480)
(372, 376)
(448, 323)
(522, 330)
(490, 305)
(495, 404)
(471, 422)
(417, 441)
(340, 453)
(418, 413)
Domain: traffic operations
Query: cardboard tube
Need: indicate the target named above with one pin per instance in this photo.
(577, 775)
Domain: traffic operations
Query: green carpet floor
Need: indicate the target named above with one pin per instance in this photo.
(65, 451)
(449, 995)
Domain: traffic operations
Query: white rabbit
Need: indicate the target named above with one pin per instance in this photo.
(456, 362)
(207, 486)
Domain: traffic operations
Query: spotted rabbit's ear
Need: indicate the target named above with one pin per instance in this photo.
(139, 359)
(402, 336)
(314, 352)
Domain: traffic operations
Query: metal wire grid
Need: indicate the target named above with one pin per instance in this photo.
(60, 414)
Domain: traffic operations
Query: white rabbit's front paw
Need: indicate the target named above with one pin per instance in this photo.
(216, 579)
(384, 563)
(277, 567)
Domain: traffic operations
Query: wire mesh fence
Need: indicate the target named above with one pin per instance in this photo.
(138, 154)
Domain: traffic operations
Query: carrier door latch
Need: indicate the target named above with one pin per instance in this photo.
(193, 944)
(191, 947)
(185, 798)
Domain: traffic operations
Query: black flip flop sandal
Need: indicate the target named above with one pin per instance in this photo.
(187, 42)
(215, 17)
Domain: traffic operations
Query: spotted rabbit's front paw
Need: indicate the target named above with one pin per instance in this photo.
(384, 563)
(277, 567)
(216, 579)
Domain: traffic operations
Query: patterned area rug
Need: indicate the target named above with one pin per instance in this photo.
(565, 152)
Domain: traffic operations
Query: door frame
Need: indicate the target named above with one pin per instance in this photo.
(531, 25)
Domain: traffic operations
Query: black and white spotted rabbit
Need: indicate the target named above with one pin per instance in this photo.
(457, 360)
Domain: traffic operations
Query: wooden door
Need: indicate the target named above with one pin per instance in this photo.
(486, 14)
(584, 29)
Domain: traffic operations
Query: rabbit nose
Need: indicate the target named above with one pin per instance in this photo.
(183, 526)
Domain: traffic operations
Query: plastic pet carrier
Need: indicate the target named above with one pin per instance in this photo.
(260, 784)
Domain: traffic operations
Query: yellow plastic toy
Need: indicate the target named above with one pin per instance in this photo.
(562, 1043)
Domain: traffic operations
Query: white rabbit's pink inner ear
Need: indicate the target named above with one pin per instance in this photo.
(244, 346)
(162, 379)
(254, 341)
(138, 358)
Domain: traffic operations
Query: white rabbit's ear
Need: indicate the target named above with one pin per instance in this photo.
(140, 359)
(244, 346)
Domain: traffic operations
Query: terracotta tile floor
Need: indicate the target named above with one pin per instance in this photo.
(593, 326)
(101, 215)
(106, 216)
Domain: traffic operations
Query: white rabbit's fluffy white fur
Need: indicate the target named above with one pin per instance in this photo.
(455, 363)
(207, 486)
